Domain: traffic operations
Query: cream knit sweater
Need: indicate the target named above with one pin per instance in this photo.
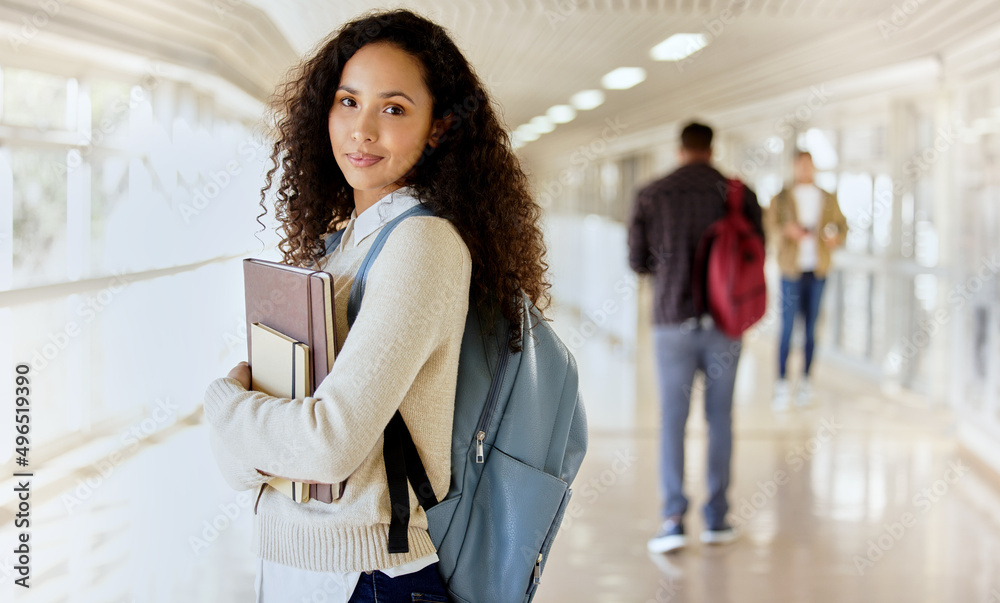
(402, 353)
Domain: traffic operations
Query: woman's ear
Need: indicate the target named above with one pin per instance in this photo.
(440, 128)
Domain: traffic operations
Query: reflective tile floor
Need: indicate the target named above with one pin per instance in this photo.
(861, 497)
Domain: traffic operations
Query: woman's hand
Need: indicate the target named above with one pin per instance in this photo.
(794, 231)
(831, 237)
(241, 372)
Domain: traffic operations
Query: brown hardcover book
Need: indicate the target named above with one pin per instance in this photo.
(298, 303)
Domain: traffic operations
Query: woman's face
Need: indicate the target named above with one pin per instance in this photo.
(381, 119)
(803, 169)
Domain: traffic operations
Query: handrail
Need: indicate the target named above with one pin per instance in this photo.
(15, 297)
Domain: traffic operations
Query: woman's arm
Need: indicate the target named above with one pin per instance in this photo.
(776, 222)
(838, 220)
(237, 475)
(416, 298)
(772, 220)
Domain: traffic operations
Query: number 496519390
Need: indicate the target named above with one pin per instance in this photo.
(22, 411)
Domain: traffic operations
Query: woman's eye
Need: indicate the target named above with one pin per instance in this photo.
(394, 110)
(347, 102)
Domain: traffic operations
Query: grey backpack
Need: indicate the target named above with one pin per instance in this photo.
(518, 438)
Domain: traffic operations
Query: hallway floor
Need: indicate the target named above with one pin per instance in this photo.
(858, 497)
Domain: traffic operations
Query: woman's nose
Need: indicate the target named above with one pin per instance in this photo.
(364, 128)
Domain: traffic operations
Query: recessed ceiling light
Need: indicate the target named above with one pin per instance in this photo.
(623, 78)
(526, 133)
(561, 114)
(587, 99)
(542, 124)
(678, 46)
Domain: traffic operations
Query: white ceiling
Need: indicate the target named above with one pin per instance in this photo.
(533, 54)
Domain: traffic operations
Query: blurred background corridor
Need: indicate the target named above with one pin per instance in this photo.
(132, 154)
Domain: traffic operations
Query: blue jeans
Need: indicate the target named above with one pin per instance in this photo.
(424, 585)
(682, 350)
(801, 296)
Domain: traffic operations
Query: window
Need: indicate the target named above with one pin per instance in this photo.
(101, 176)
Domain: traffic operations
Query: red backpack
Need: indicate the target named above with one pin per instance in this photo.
(728, 272)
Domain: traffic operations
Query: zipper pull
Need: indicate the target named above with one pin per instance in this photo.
(480, 457)
(538, 570)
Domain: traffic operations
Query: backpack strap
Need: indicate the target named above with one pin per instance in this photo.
(358, 287)
(734, 195)
(333, 241)
(402, 461)
(402, 464)
(734, 203)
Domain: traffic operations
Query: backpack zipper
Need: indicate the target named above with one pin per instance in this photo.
(491, 400)
(480, 436)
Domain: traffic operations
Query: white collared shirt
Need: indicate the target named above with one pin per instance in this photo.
(276, 582)
(808, 207)
(376, 216)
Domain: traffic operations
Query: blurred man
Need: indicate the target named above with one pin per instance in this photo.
(807, 223)
(668, 220)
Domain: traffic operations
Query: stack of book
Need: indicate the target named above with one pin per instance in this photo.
(291, 340)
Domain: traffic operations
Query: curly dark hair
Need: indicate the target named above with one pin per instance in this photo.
(472, 178)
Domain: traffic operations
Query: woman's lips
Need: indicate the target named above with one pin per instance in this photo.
(361, 160)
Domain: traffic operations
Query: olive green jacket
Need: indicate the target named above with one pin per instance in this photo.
(783, 211)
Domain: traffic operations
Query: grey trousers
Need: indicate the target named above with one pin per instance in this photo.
(681, 350)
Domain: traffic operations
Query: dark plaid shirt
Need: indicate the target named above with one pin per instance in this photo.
(668, 219)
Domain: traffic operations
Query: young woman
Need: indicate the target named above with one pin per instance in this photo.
(386, 115)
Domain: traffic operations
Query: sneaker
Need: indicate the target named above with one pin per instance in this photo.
(781, 395)
(670, 537)
(804, 395)
(720, 534)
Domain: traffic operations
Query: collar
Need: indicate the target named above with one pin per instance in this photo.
(376, 216)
